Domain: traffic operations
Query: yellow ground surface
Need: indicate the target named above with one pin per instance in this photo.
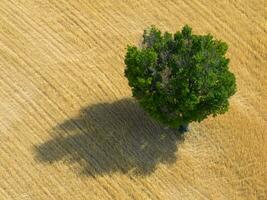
(70, 130)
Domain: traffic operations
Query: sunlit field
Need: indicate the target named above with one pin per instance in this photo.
(69, 128)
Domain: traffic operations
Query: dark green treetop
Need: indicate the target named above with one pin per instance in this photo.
(179, 78)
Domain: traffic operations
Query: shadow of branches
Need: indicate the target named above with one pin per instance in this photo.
(110, 137)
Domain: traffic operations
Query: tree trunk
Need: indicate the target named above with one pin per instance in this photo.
(183, 128)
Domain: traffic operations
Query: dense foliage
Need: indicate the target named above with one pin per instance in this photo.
(180, 78)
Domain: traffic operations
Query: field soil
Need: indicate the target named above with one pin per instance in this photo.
(69, 128)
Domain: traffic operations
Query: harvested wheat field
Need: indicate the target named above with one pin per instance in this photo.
(69, 128)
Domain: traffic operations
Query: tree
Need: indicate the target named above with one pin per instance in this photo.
(180, 78)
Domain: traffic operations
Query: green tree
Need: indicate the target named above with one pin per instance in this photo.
(180, 78)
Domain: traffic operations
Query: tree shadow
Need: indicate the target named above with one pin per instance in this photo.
(111, 137)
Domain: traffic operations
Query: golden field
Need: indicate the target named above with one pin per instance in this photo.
(69, 128)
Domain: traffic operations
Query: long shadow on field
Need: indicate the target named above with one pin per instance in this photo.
(110, 137)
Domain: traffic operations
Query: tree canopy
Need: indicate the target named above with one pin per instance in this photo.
(179, 78)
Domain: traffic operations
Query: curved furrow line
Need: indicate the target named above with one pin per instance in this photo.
(120, 36)
(232, 32)
(104, 40)
(26, 71)
(28, 24)
(162, 173)
(98, 38)
(14, 46)
(34, 106)
(191, 187)
(72, 17)
(151, 11)
(137, 24)
(12, 189)
(253, 109)
(220, 149)
(169, 9)
(107, 19)
(73, 72)
(243, 12)
(127, 7)
(224, 20)
(207, 21)
(6, 154)
(187, 184)
(19, 90)
(18, 97)
(102, 72)
(108, 60)
(253, 8)
(69, 76)
(32, 115)
(245, 55)
(122, 6)
(226, 27)
(24, 13)
(76, 126)
(174, 177)
(7, 151)
(53, 104)
(22, 171)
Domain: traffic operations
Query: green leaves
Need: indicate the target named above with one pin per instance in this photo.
(186, 32)
(180, 78)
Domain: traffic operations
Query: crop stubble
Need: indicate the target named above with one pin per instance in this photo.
(68, 129)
